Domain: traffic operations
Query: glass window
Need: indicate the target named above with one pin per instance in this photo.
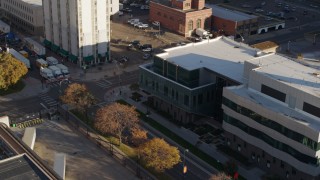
(190, 25)
(199, 23)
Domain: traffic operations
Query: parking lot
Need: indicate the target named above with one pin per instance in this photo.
(123, 34)
(293, 13)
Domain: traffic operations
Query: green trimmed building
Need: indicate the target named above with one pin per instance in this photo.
(84, 41)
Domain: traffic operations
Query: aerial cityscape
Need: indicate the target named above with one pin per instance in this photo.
(160, 89)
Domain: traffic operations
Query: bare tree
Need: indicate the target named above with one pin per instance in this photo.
(115, 118)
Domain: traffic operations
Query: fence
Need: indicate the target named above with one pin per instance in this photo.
(104, 144)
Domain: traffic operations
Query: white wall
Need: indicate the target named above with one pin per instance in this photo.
(47, 19)
(102, 21)
(114, 6)
(74, 31)
(55, 21)
(87, 27)
(64, 25)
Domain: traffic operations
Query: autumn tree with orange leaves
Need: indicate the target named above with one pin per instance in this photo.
(158, 154)
(116, 118)
(79, 97)
(138, 136)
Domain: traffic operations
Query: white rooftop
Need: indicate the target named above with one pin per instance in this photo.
(272, 105)
(33, 2)
(229, 14)
(218, 55)
(289, 72)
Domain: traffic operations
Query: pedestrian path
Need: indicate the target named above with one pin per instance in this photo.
(49, 101)
(253, 173)
(103, 83)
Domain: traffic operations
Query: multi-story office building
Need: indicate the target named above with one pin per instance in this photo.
(114, 7)
(23, 15)
(79, 29)
(274, 118)
(271, 105)
(187, 81)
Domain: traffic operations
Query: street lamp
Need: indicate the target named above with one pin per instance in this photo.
(184, 170)
(288, 46)
(314, 38)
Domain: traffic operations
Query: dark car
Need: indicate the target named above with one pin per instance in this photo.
(146, 46)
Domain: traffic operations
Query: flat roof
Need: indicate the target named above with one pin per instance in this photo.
(221, 55)
(169, 4)
(258, 98)
(33, 2)
(289, 72)
(20, 167)
(229, 14)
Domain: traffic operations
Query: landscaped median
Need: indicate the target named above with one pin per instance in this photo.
(185, 144)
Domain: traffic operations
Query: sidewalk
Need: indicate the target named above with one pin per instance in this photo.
(33, 87)
(100, 71)
(252, 174)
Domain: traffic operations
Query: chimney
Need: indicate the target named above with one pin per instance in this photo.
(198, 4)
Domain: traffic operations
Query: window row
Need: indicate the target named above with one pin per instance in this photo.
(19, 13)
(272, 125)
(272, 142)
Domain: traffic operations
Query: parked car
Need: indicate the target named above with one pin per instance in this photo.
(145, 46)
(120, 13)
(146, 56)
(156, 23)
(142, 26)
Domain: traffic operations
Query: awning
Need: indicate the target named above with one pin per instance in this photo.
(47, 43)
(107, 56)
(73, 58)
(88, 58)
(63, 52)
(100, 56)
(54, 47)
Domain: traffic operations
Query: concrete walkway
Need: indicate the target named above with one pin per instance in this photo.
(33, 87)
(251, 174)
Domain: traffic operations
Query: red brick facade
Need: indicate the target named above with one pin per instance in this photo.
(181, 21)
(230, 27)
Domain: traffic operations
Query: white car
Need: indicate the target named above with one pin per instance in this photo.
(137, 24)
(143, 26)
(133, 4)
(156, 23)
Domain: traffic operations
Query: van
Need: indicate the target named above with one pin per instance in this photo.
(41, 63)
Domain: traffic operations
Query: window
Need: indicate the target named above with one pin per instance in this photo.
(200, 98)
(273, 93)
(199, 23)
(311, 109)
(177, 95)
(190, 25)
(187, 4)
(186, 100)
(165, 89)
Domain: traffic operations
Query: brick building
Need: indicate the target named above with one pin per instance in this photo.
(183, 17)
(233, 22)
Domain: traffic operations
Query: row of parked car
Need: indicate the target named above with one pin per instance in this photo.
(138, 24)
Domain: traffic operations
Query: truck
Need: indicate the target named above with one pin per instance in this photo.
(64, 69)
(24, 53)
(41, 63)
(56, 72)
(202, 33)
(4, 27)
(19, 57)
(35, 47)
(52, 61)
(47, 74)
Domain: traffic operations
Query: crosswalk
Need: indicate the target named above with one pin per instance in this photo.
(53, 84)
(48, 100)
(103, 83)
